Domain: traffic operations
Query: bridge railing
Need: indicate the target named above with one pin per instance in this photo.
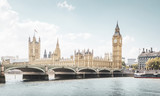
(66, 65)
(49, 66)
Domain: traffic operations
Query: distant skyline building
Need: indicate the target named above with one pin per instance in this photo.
(145, 56)
(123, 59)
(12, 59)
(131, 61)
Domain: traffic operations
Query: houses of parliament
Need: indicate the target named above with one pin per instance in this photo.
(83, 58)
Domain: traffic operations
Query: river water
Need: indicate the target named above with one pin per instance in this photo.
(123, 86)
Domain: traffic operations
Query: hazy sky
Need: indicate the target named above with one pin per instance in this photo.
(79, 24)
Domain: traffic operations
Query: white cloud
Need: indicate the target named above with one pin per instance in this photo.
(106, 47)
(129, 48)
(133, 52)
(65, 5)
(15, 33)
(127, 39)
(86, 35)
(73, 36)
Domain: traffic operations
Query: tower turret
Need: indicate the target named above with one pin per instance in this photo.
(49, 55)
(57, 52)
(45, 54)
(57, 45)
(117, 28)
(88, 56)
(34, 49)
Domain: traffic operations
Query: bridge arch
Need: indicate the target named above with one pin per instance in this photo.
(87, 70)
(117, 70)
(104, 70)
(63, 69)
(26, 69)
(117, 73)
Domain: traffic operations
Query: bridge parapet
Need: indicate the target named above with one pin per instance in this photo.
(20, 66)
(47, 67)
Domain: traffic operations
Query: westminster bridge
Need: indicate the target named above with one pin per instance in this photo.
(42, 71)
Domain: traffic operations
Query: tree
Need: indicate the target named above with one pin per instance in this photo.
(153, 63)
(134, 66)
(123, 64)
(127, 67)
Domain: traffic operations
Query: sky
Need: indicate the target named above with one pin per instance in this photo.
(79, 24)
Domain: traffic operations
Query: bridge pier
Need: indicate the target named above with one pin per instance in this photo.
(2, 76)
(112, 74)
(28, 77)
(2, 79)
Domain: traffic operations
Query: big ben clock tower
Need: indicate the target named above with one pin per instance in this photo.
(117, 48)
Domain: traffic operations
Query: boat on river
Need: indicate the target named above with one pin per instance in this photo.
(147, 75)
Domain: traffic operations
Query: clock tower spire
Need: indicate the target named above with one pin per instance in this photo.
(117, 48)
(117, 28)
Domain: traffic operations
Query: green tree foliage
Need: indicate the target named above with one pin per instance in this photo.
(127, 67)
(123, 64)
(134, 66)
(153, 63)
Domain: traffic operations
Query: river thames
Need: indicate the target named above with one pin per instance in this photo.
(124, 86)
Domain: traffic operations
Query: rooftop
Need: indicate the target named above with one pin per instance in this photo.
(147, 54)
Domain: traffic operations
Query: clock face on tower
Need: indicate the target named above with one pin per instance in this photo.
(115, 40)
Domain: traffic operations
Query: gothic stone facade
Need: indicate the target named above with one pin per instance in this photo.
(84, 58)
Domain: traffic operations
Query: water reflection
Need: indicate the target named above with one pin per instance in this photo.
(13, 77)
(81, 87)
(19, 77)
(117, 91)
